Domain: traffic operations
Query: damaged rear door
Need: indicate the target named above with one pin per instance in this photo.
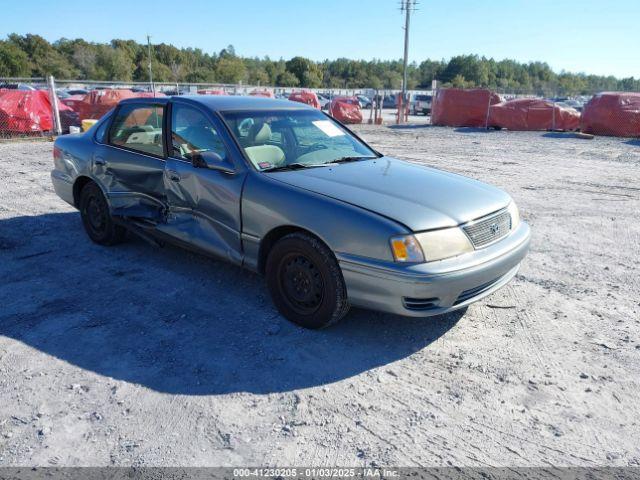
(203, 198)
(131, 164)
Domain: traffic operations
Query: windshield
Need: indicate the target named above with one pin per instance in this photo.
(284, 139)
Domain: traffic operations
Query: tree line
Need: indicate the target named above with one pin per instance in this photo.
(127, 60)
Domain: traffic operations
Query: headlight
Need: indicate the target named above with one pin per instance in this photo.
(430, 246)
(406, 249)
(445, 243)
(515, 214)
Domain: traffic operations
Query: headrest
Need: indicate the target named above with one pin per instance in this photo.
(261, 133)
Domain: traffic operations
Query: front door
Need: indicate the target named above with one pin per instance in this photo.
(204, 204)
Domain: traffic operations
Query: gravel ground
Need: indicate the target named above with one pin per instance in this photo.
(135, 355)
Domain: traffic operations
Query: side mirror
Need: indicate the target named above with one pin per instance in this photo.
(212, 161)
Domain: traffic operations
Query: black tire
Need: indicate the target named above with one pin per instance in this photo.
(96, 217)
(305, 282)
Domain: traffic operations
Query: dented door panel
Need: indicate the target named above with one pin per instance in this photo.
(204, 208)
(130, 173)
(133, 181)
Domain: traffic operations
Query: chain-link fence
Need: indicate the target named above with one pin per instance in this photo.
(29, 108)
(43, 107)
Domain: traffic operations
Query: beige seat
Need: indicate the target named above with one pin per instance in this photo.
(259, 152)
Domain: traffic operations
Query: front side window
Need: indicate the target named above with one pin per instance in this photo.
(283, 139)
(192, 132)
(138, 127)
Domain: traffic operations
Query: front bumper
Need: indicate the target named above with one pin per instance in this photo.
(438, 287)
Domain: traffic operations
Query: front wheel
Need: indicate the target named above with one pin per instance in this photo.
(305, 282)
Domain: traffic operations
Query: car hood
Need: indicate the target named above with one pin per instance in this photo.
(416, 196)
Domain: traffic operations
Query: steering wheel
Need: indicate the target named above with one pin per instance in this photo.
(316, 146)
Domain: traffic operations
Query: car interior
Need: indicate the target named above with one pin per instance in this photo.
(280, 140)
(139, 129)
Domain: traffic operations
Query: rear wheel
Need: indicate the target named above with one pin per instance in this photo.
(96, 217)
(305, 281)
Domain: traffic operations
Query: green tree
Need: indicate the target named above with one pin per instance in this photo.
(115, 64)
(287, 79)
(124, 60)
(45, 59)
(230, 69)
(307, 72)
(13, 61)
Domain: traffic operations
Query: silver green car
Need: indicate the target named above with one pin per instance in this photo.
(285, 190)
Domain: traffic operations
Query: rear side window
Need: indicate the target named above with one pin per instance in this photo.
(101, 133)
(138, 127)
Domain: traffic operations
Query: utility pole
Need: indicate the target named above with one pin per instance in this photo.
(153, 89)
(406, 6)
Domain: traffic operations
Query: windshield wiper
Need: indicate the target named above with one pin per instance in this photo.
(352, 159)
(295, 166)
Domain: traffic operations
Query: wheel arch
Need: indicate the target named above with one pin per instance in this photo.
(271, 238)
(78, 185)
(80, 182)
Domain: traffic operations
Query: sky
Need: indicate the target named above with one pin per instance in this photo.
(592, 36)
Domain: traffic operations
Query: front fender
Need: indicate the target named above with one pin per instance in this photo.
(268, 204)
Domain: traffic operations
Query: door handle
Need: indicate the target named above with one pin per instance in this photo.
(99, 161)
(173, 176)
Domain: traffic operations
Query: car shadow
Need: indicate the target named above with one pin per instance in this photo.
(409, 126)
(177, 322)
(472, 130)
(564, 135)
(635, 142)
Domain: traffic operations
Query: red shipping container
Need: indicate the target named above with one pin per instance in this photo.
(346, 109)
(305, 96)
(615, 114)
(456, 107)
(533, 114)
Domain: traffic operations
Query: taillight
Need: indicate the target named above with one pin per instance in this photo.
(57, 153)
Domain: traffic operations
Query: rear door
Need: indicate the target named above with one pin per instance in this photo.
(204, 204)
(130, 164)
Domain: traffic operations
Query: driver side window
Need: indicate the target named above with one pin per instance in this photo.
(192, 132)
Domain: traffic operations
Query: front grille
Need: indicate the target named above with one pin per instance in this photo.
(489, 229)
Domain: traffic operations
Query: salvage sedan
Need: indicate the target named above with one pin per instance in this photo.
(283, 189)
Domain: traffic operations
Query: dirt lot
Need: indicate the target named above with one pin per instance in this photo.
(140, 356)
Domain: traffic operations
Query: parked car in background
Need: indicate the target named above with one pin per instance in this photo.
(421, 104)
(16, 86)
(572, 103)
(365, 102)
(174, 91)
(280, 188)
(324, 101)
(346, 110)
(388, 101)
(77, 91)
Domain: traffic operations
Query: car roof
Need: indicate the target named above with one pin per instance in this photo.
(226, 102)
